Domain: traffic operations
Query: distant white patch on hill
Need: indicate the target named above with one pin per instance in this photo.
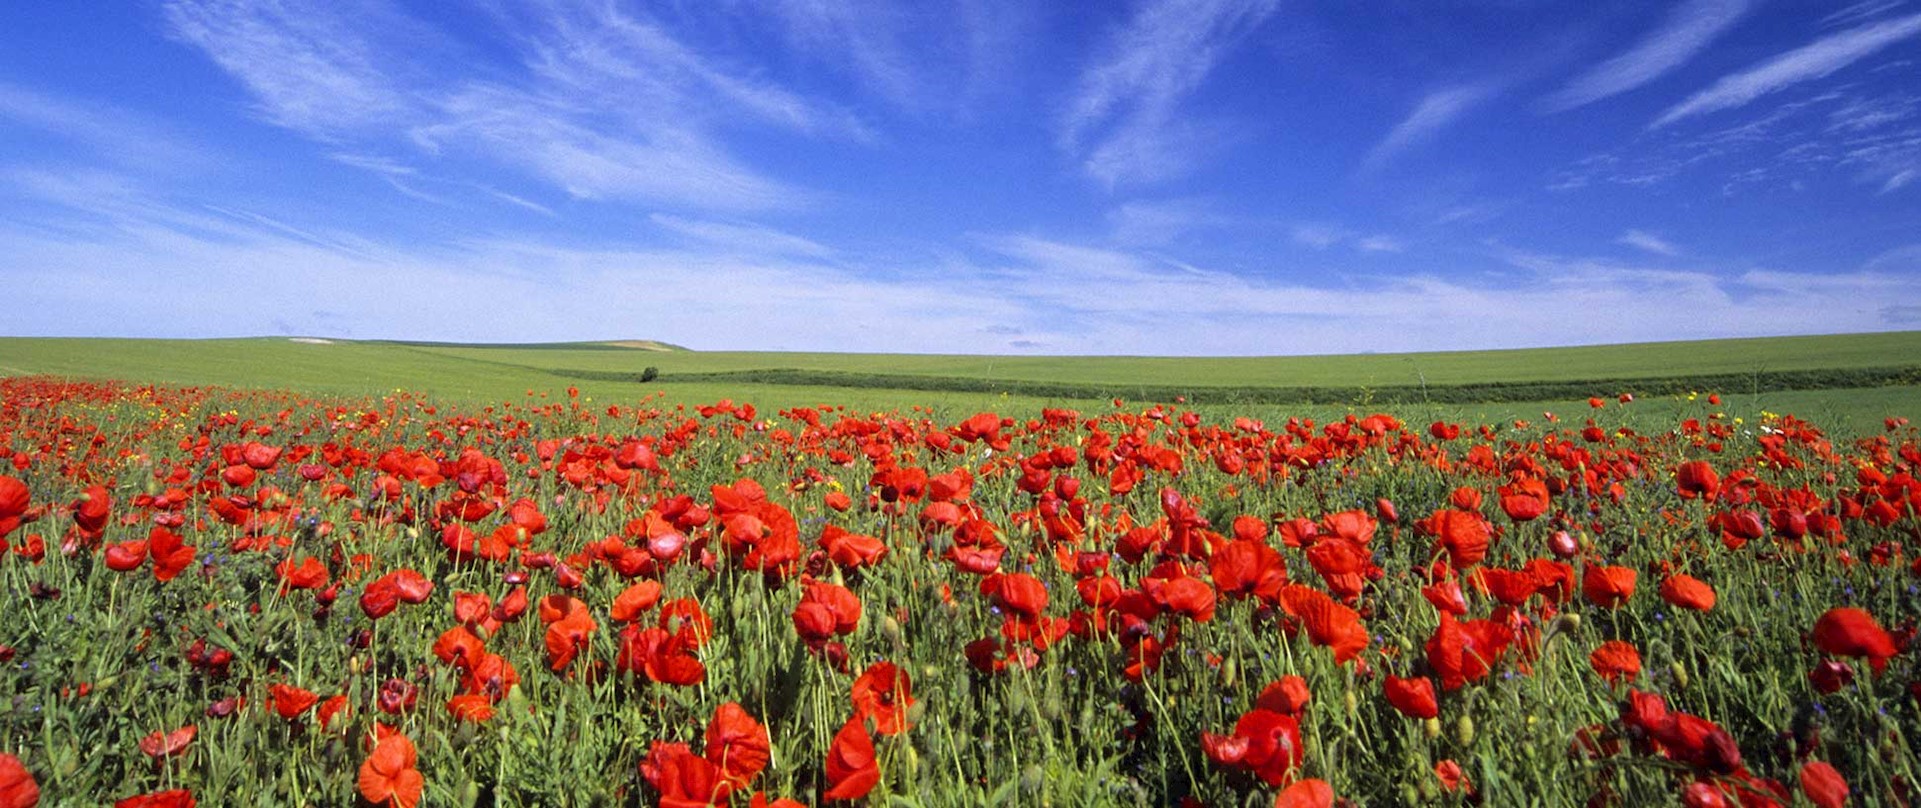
(310, 340)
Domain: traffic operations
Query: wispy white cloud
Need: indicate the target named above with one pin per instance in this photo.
(1436, 110)
(1155, 222)
(1319, 235)
(1868, 139)
(1648, 242)
(1322, 236)
(603, 104)
(309, 69)
(112, 134)
(1379, 244)
(1688, 29)
(738, 237)
(197, 273)
(1814, 60)
(1124, 120)
(1854, 14)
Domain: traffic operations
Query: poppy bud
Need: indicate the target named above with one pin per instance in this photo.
(1431, 728)
(1680, 675)
(1464, 730)
(1567, 623)
(1563, 545)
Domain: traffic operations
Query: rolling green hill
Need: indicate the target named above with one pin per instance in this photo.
(1860, 377)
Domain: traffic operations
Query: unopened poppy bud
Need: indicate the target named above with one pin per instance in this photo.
(469, 794)
(1567, 623)
(1228, 671)
(1680, 675)
(1464, 730)
(916, 712)
(1353, 707)
(1032, 778)
(890, 630)
(1431, 728)
(1410, 794)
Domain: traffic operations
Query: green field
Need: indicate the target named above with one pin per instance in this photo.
(1852, 381)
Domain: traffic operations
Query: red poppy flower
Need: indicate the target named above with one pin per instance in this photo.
(308, 573)
(1247, 567)
(1264, 742)
(459, 647)
(471, 707)
(171, 554)
(290, 701)
(634, 601)
(14, 500)
(1309, 793)
(1851, 632)
(684, 779)
(852, 770)
(1524, 500)
(1465, 652)
(825, 611)
(1016, 592)
(1608, 587)
(1413, 697)
(17, 786)
(1824, 786)
(1616, 661)
(1462, 534)
(1355, 526)
(1696, 478)
(662, 657)
(388, 775)
(1510, 587)
(126, 556)
(1446, 596)
(736, 744)
(1289, 696)
(168, 744)
(567, 636)
(1328, 623)
(176, 798)
(885, 694)
(851, 550)
(1183, 595)
(1687, 592)
(1451, 776)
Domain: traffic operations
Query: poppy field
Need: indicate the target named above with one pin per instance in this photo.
(226, 597)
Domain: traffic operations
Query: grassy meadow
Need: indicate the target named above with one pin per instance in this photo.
(609, 371)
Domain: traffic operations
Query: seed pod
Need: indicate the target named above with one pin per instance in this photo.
(1032, 778)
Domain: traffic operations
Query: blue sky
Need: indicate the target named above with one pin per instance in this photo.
(970, 176)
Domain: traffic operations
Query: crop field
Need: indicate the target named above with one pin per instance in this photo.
(1853, 381)
(303, 587)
